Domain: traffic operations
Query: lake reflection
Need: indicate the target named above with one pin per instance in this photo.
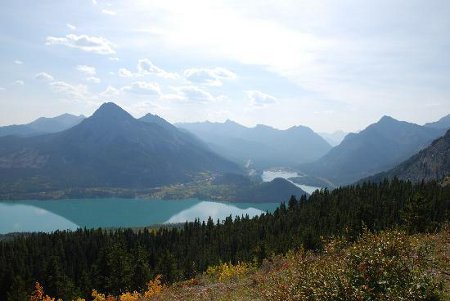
(217, 211)
(51, 215)
(25, 218)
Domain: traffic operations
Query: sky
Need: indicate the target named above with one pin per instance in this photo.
(329, 65)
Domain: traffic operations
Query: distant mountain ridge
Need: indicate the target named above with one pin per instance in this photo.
(431, 163)
(109, 149)
(379, 147)
(443, 123)
(42, 125)
(263, 146)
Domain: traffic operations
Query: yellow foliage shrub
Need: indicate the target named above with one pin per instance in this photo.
(154, 287)
(226, 271)
(39, 295)
(134, 296)
(97, 296)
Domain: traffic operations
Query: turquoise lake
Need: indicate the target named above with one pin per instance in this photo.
(51, 215)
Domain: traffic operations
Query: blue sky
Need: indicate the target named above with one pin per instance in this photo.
(325, 64)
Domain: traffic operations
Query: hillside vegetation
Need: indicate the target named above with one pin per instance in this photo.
(385, 266)
(72, 264)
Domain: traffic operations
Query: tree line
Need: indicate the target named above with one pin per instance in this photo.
(70, 264)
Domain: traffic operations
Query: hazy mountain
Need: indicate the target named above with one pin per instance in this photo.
(42, 125)
(262, 145)
(379, 147)
(443, 123)
(431, 163)
(108, 149)
(334, 138)
(150, 118)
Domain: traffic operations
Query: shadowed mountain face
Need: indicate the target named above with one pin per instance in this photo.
(42, 125)
(108, 149)
(379, 147)
(263, 146)
(431, 163)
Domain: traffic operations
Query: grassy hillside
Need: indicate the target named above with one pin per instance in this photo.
(386, 266)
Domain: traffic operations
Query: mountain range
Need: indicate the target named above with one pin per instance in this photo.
(108, 149)
(261, 146)
(42, 125)
(113, 149)
(431, 163)
(377, 148)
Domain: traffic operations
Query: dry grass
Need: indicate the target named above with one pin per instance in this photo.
(385, 266)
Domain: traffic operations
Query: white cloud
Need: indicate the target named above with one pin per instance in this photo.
(260, 99)
(124, 72)
(2, 89)
(93, 79)
(211, 77)
(110, 93)
(109, 12)
(74, 92)
(43, 76)
(88, 70)
(145, 66)
(93, 44)
(143, 88)
(18, 62)
(19, 83)
(114, 58)
(194, 94)
(71, 27)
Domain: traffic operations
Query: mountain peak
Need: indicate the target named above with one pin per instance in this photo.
(229, 121)
(300, 128)
(151, 118)
(110, 110)
(387, 118)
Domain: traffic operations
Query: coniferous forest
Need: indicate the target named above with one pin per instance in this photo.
(71, 264)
